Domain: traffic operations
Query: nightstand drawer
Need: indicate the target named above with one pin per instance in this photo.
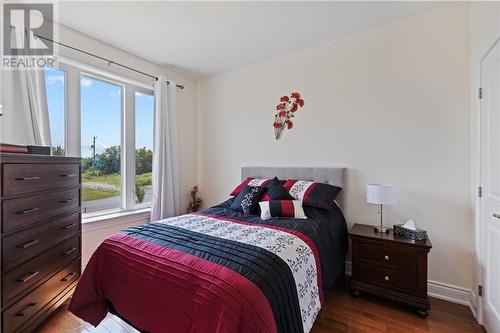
(388, 278)
(392, 258)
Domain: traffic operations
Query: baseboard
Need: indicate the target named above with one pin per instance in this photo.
(444, 291)
(454, 294)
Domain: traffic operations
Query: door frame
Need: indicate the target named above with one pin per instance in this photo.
(478, 227)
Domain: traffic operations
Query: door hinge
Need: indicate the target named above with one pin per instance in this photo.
(480, 192)
(480, 290)
(480, 93)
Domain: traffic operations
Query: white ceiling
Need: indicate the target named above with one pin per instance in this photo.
(204, 38)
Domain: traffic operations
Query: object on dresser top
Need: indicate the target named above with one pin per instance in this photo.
(313, 194)
(38, 150)
(248, 199)
(281, 208)
(381, 195)
(9, 148)
(390, 266)
(408, 230)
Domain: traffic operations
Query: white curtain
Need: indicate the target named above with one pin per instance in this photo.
(165, 160)
(34, 81)
(24, 99)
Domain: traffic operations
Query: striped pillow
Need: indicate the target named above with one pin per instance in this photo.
(313, 194)
(281, 208)
(250, 182)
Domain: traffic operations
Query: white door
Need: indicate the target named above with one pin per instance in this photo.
(490, 182)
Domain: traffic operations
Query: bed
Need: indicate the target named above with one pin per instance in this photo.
(219, 270)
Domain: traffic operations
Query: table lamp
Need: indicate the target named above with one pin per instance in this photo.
(381, 195)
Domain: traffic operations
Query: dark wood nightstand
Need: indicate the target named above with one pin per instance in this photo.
(390, 266)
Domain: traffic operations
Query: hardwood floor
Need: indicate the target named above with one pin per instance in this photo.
(342, 313)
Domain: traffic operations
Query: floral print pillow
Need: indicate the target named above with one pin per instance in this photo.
(247, 201)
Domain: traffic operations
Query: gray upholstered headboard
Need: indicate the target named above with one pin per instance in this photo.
(334, 176)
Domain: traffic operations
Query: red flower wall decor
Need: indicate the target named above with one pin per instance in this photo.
(285, 111)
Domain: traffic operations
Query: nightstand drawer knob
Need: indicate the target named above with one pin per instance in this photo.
(386, 278)
(386, 258)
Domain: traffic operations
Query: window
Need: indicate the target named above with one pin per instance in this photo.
(108, 122)
(54, 84)
(144, 122)
(100, 114)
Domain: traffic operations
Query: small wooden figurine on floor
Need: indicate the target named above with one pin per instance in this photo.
(196, 202)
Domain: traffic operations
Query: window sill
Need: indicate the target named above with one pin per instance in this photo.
(116, 218)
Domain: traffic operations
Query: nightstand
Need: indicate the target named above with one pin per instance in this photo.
(390, 266)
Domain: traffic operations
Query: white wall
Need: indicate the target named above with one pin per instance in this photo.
(392, 104)
(14, 124)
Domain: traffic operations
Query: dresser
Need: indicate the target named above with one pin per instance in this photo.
(40, 240)
(390, 266)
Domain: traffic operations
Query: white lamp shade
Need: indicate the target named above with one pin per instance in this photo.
(381, 194)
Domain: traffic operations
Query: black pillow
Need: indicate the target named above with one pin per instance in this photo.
(313, 194)
(247, 201)
(276, 191)
(275, 181)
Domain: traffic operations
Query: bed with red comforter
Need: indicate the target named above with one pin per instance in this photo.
(216, 271)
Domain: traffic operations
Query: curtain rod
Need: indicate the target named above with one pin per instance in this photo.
(109, 61)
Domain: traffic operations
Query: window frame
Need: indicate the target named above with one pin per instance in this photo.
(133, 93)
(72, 124)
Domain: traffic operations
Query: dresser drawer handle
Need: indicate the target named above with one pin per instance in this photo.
(27, 277)
(67, 200)
(69, 251)
(28, 178)
(26, 211)
(68, 277)
(21, 313)
(69, 226)
(28, 244)
(69, 175)
(386, 258)
(386, 278)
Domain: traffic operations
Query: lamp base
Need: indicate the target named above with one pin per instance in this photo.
(381, 229)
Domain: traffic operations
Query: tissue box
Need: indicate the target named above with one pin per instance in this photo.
(407, 233)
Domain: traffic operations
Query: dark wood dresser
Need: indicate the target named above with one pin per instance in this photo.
(390, 266)
(40, 237)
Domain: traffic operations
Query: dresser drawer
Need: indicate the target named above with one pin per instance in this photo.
(389, 257)
(23, 245)
(388, 278)
(28, 178)
(26, 275)
(28, 211)
(22, 311)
